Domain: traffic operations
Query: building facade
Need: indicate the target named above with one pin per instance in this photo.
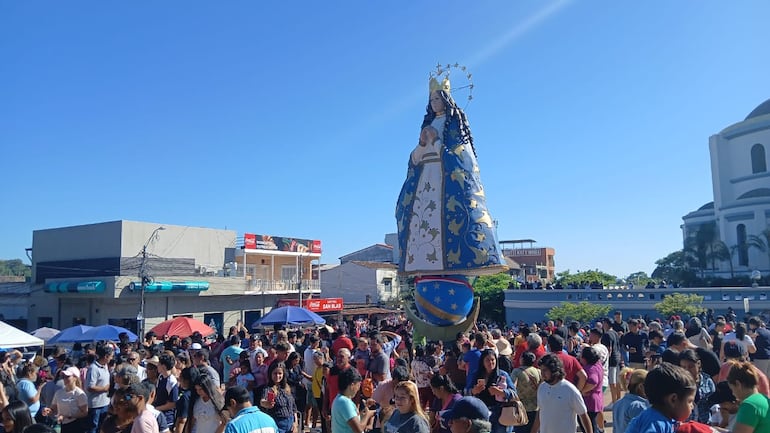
(737, 222)
(536, 264)
(120, 272)
(362, 282)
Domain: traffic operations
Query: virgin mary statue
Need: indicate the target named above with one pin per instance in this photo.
(445, 232)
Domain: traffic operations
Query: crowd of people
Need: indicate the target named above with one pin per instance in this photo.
(661, 376)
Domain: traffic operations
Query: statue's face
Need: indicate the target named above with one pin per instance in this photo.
(436, 102)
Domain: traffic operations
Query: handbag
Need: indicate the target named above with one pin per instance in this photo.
(513, 414)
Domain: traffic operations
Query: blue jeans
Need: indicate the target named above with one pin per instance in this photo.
(95, 418)
(285, 425)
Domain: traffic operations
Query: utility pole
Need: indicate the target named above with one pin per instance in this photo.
(299, 280)
(144, 280)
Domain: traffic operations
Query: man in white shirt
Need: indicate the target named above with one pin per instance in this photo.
(560, 402)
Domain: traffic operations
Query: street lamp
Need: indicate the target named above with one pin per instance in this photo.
(145, 279)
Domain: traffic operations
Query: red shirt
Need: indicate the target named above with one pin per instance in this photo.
(341, 342)
(571, 366)
(333, 386)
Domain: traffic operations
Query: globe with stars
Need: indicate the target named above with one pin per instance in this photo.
(443, 300)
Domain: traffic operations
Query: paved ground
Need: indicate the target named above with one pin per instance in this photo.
(607, 414)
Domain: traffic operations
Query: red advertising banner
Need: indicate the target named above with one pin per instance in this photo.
(316, 305)
(277, 243)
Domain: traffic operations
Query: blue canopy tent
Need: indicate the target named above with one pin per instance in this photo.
(106, 332)
(289, 315)
(69, 335)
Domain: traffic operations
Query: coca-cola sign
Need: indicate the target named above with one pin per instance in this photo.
(319, 305)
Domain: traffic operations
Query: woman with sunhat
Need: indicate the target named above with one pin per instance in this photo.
(70, 404)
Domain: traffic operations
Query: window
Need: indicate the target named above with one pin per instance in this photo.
(289, 273)
(45, 322)
(743, 250)
(758, 159)
(387, 284)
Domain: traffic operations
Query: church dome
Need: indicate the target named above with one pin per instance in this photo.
(761, 110)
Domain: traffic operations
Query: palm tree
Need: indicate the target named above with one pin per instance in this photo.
(761, 242)
(720, 251)
(699, 247)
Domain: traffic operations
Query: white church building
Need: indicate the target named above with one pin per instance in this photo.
(740, 212)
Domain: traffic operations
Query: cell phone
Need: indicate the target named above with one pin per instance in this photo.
(271, 396)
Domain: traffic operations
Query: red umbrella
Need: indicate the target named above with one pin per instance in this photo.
(183, 327)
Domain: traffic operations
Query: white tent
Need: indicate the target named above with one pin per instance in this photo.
(11, 337)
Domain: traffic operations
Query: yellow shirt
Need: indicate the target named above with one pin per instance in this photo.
(318, 376)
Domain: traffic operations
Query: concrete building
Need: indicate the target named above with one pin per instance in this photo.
(739, 215)
(535, 264)
(361, 282)
(92, 274)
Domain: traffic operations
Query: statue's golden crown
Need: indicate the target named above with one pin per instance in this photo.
(439, 79)
(444, 85)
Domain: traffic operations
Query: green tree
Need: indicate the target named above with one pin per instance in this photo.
(678, 303)
(723, 253)
(582, 312)
(674, 267)
(566, 277)
(699, 246)
(761, 242)
(640, 279)
(491, 292)
(15, 268)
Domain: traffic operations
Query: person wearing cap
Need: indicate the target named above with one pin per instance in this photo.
(561, 404)
(70, 405)
(468, 415)
(255, 346)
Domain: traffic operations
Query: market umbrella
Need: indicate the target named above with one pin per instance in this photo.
(289, 315)
(183, 327)
(69, 335)
(45, 333)
(106, 332)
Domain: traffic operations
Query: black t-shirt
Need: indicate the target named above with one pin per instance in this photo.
(620, 328)
(638, 341)
(762, 342)
(610, 341)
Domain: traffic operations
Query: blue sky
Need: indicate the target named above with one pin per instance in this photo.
(591, 118)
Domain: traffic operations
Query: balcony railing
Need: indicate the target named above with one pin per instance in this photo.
(282, 286)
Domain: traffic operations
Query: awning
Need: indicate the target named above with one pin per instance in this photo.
(173, 286)
(75, 287)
